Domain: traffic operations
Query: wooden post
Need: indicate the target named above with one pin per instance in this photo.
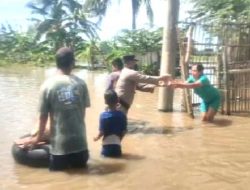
(184, 70)
(169, 48)
(219, 79)
(226, 94)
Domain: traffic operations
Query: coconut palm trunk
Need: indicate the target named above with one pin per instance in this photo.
(169, 50)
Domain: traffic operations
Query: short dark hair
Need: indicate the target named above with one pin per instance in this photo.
(110, 97)
(199, 67)
(128, 58)
(64, 57)
(117, 63)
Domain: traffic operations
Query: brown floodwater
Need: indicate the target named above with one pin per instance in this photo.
(163, 150)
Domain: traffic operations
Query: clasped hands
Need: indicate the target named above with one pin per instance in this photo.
(167, 81)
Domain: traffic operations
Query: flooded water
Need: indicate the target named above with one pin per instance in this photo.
(162, 151)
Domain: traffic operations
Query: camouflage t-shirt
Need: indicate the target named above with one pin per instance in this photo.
(65, 98)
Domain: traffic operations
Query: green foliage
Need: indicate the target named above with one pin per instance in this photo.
(62, 22)
(21, 47)
(109, 51)
(222, 10)
(57, 23)
(90, 54)
(139, 41)
(151, 69)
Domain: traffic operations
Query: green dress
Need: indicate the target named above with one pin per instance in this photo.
(208, 93)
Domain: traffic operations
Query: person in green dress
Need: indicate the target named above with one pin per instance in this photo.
(209, 95)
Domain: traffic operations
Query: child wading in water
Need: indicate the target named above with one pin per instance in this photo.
(112, 126)
(208, 93)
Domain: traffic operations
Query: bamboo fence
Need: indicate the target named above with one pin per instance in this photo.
(225, 54)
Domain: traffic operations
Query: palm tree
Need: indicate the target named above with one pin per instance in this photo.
(99, 8)
(61, 21)
(135, 9)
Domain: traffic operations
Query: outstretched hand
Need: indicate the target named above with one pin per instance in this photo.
(170, 83)
(174, 84)
(163, 83)
(165, 77)
(164, 80)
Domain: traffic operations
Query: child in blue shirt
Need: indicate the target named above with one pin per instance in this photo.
(112, 126)
(208, 93)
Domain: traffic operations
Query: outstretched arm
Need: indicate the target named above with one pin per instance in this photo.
(180, 84)
(141, 78)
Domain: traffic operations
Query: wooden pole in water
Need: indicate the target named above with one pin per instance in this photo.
(219, 81)
(226, 95)
(184, 62)
(169, 49)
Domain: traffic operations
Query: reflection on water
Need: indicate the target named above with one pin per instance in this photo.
(152, 128)
(161, 150)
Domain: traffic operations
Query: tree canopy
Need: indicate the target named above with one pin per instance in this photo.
(222, 10)
(58, 23)
(63, 22)
(99, 8)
